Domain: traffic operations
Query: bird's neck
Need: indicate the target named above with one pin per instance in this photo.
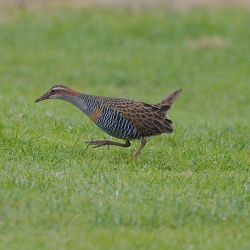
(76, 100)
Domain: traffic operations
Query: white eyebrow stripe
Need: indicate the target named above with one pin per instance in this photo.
(57, 88)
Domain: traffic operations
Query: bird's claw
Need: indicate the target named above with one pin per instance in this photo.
(98, 144)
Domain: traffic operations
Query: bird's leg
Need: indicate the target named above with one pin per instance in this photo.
(143, 143)
(100, 143)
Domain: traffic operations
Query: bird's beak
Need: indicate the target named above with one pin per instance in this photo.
(43, 97)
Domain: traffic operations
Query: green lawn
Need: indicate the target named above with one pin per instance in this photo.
(188, 190)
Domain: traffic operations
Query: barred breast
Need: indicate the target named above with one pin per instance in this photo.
(113, 123)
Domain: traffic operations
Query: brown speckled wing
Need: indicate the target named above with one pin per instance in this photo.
(147, 119)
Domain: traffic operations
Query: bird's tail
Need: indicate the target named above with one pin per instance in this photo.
(163, 107)
(167, 102)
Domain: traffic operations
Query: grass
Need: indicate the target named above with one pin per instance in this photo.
(188, 190)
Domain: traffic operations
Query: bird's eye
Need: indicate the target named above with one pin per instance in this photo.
(52, 91)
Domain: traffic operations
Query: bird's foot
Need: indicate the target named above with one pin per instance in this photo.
(99, 143)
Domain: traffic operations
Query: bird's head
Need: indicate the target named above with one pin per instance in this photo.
(58, 92)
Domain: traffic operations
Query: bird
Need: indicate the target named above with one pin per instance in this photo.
(122, 118)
